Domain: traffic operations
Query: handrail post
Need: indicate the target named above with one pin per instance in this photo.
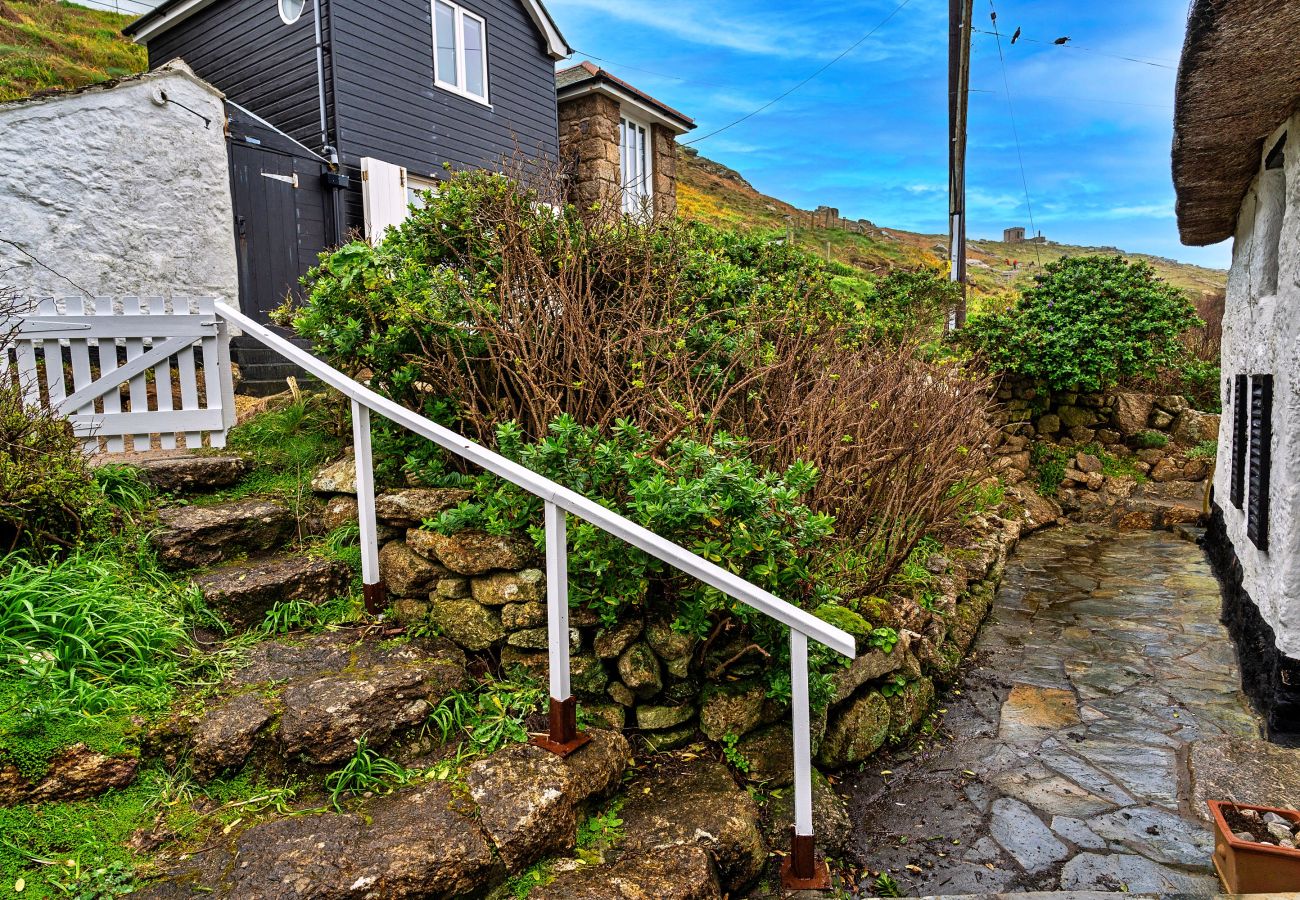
(801, 870)
(372, 586)
(564, 737)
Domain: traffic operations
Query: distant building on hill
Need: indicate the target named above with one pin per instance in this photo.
(1013, 236)
(1235, 166)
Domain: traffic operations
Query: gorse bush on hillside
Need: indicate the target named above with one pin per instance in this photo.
(1086, 324)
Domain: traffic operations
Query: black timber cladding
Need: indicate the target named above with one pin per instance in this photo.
(388, 107)
(246, 51)
(1261, 459)
(1240, 438)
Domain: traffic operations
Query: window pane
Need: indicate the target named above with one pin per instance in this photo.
(444, 17)
(474, 57)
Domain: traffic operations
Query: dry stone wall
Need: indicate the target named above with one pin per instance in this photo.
(487, 594)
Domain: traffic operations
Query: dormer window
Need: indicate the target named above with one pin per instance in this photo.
(460, 51)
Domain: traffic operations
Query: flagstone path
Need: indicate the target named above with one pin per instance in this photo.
(1061, 761)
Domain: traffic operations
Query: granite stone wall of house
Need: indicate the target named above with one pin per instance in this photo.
(589, 146)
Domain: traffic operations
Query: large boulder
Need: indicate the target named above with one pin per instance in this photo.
(695, 802)
(638, 668)
(408, 508)
(500, 588)
(1192, 427)
(734, 709)
(339, 477)
(472, 552)
(407, 573)
(225, 735)
(668, 873)
(325, 716)
(1132, 412)
(467, 623)
(855, 732)
(77, 773)
(526, 803)
(418, 843)
(185, 472)
(194, 536)
(242, 593)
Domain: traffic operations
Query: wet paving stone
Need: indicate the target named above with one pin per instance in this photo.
(1061, 764)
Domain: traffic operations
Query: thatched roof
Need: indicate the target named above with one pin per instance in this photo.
(1238, 81)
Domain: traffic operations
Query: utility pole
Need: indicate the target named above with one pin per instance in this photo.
(959, 46)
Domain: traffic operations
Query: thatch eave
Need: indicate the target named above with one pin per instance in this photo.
(1239, 79)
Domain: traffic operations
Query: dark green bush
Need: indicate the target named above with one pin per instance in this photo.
(1088, 323)
(49, 500)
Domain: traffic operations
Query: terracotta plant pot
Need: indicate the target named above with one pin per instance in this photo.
(1246, 867)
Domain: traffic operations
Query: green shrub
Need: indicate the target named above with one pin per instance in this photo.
(1151, 440)
(904, 305)
(1204, 450)
(1087, 323)
(709, 498)
(49, 499)
(1049, 462)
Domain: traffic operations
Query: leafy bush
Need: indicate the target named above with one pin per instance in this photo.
(1151, 440)
(902, 306)
(1087, 323)
(1049, 462)
(707, 497)
(49, 499)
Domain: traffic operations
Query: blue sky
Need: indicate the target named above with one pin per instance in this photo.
(868, 135)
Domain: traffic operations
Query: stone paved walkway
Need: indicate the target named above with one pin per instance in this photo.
(1062, 760)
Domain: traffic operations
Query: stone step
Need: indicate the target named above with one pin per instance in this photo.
(429, 840)
(196, 536)
(242, 592)
(182, 472)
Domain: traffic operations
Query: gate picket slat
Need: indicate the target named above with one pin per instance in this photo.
(112, 399)
(139, 384)
(163, 377)
(79, 351)
(55, 386)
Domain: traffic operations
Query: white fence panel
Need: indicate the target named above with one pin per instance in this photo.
(107, 365)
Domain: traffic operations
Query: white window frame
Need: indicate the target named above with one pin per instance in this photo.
(460, 14)
(637, 188)
(416, 183)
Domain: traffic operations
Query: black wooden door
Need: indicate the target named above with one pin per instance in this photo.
(280, 212)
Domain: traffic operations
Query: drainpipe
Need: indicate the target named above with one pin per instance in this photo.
(320, 84)
(335, 179)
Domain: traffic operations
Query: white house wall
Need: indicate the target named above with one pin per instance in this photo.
(117, 192)
(1261, 335)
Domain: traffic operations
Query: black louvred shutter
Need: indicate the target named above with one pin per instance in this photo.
(1261, 458)
(1240, 423)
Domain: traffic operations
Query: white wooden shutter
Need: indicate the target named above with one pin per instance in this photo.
(383, 196)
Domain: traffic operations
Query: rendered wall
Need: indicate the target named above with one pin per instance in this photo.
(1261, 335)
(118, 192)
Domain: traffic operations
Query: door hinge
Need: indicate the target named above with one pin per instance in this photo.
(287, 179)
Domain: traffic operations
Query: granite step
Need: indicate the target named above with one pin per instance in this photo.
(242, 592)
(182, 472)
(197, 536)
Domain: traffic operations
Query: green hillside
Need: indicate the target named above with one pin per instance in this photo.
(710, 192)
(46, 45)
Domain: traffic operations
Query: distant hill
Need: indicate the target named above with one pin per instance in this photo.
(710, 192)
(45, 45)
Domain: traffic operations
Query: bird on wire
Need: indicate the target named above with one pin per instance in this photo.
(1015, 37)
(1061, 41)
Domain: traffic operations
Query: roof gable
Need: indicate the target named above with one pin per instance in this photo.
(587, 77)
(173, 12)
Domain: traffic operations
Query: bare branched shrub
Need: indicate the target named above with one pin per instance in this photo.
(490, 307)
(1205, 342)
(892, 434)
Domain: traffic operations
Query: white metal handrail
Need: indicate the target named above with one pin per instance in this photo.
(560, 500)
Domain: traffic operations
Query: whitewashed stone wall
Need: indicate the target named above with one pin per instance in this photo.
(1261, 335)
(118, 192)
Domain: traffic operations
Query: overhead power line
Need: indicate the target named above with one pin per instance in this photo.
(1073, 46)
(881, 24)
(1011, 110)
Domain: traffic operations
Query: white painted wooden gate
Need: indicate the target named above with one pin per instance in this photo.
(74, 356)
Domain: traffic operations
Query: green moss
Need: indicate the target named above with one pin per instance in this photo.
(845, 619)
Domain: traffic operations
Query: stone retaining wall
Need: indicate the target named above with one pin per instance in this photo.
(487, 594)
